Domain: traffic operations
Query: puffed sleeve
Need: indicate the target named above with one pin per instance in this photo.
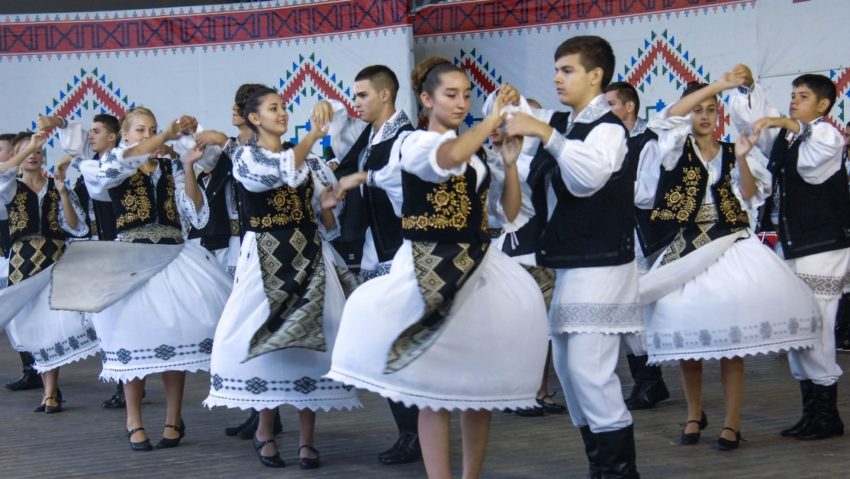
(388, 178)
(672, 134)
(585, 166)
(113, 168)
(258, 169)
(82, 228)
(343, 129)
(649, 172)
(8, 186)
(197, 217)
(820, 152)
(748, 105)
(529, 143)
(323, 177)
(74, 141)
(419, 156)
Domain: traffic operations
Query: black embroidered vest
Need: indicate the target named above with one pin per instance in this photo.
(652, 236)
(812, 218)
(102, 222)
(216, 234)
(277, 209)
(682, 189)
(26, 218)
(5, 240)
(593, 231)
(134, 203)
(528, 237)
(371, 209)
(448, 212)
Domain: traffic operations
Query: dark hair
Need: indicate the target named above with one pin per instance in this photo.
(593, 51)
(109, 122)
(7, 137)
(243, 93)
(426, 75)
(21, 136)
(381, 77)
(625, 92)
(822, 87)
(252, 104)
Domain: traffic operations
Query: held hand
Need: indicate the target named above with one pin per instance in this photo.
(59, 173)
(350, 182)
(45, 123)
(744, 145)
(322, 113)
(511, 148)
(328, 198)
(188, 124)
(523, 124)
(743, 73)
(766, 122)
(729, 80)
(167, 151)
(210, 137)
(172, 132)
(37, 141)
(320, 128)
(192, 157)
(508, 95)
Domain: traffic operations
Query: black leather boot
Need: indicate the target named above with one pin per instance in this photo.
(616, 454)
(406, 448)
(591, 450)
(649, 388)
(30, 379)
(826, 421)
(807, 389)
(117, 401)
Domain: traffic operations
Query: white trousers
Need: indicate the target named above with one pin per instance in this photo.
(585, 363)
(818, 363)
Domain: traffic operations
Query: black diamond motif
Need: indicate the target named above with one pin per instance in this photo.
(60, 350)
(216, 382)
(165, 352)
(72, 341)
(256, 385)
(124, 356)
(43, 354)
(205, 346)
(305, 385)
(91, 334)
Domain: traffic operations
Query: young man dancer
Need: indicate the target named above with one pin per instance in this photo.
(365, 144)
(588, 239)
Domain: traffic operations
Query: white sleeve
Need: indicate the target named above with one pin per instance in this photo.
(672, 134)
(322, 177)
(8, 187)
(260, 170)
(419, 156)
(746, 106)
(114, 168)
(764, 181)
(197, 217)
(82, 228)
(74, 141)
(388, 178)
(89, 170)
(585, 166)
(820, 152)
(210, 156)
(649, 172)
(343, 129)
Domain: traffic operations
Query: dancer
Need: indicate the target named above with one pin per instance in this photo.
(43, 213)
(649, 388)
(364, 144)
(706, 294)
(587, 197)
(455, 324)
(274, 341)
(810, 209)
(155, 327)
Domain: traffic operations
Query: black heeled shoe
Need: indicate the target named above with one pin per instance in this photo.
(308, 462)
(268, 461)
(141, 445)
(551, 407)
(235, 430)
(165, 442)
(727, 445)
(43, 407)
(690, 438)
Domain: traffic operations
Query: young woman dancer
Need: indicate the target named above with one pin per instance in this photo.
(709, 283)
(43, 214)
(161, 326)
(287, 299)
(455, 324)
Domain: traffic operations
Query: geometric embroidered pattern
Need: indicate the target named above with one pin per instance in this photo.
(67, 345)
(305, 385)
(826, 286)
(163, 352)
(566, 317)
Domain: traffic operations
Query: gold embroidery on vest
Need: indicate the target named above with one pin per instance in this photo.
(170, 202)
(681, 202)
(18, 217)
(287, 207)
(136, 204)
(451, 206)
(53, 211)
(485, 218)
(730, 208)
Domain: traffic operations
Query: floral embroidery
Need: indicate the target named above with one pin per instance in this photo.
(681, 202)
(18, 217)
(136, 204)
(287, 207)
(451, 208)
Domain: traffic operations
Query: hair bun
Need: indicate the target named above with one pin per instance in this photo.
(420, 72)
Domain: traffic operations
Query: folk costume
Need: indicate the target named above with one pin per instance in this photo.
(274, 341)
